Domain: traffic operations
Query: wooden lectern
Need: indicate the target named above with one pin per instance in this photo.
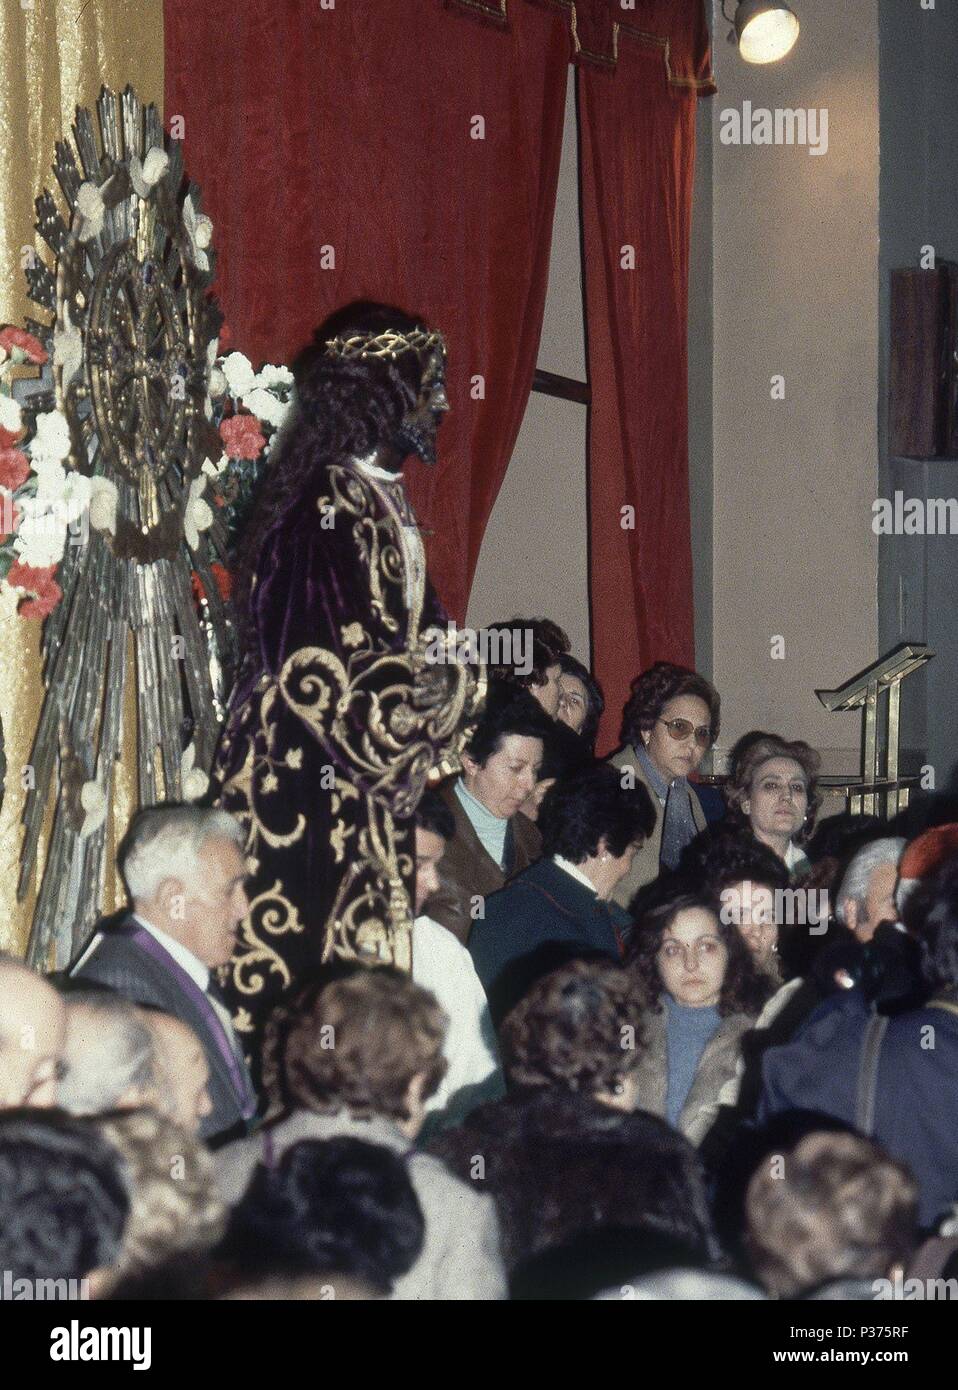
(878, 784)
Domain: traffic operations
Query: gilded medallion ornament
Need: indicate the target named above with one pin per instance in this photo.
(132, 342)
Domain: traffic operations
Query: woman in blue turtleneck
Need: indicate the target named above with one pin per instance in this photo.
(704, 993)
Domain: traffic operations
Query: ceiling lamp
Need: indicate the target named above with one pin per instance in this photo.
(765, 30)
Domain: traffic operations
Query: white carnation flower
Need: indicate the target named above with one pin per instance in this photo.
(103, 504)
(273, 376)
(75, 506)
(51, 478)
(198, 515)
(79, 489)
(239, 373)
(218, 382)
(10, 417)
(52, 439)
(92, 210)
(199, 230)
(145, 176)
(41, 534)
(67, 347)
(266, 407)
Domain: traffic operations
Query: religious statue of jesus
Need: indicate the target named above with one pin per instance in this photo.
(341, 707)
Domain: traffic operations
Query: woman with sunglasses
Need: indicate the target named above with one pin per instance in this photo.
(668, 723)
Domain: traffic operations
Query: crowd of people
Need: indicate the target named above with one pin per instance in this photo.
(659, 1040)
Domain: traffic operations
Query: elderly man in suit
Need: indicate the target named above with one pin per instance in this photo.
(184, 870)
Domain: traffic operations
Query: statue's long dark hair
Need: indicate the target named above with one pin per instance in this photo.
(345, 408)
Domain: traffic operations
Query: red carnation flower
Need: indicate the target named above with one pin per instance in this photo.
(7, 440)
(31, 347)
(44, 593)
(224, 582)
(43, 605)
(242, 437)
(14, 469)
(23, 576)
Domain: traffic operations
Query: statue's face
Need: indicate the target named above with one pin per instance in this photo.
(417, 433)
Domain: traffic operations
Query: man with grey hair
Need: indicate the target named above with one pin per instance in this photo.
(184, 871)
(884, 961)
(109, 1062)
(866, 895)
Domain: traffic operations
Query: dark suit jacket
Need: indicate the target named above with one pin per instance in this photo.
(917, 1082)
(123, 966)
(467, 870)
(542, 918)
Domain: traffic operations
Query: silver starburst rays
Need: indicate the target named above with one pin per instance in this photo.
(132, 341)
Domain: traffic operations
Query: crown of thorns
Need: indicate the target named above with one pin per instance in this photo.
(387, 344)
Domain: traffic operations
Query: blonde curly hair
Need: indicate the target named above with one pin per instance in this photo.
(175, 1207)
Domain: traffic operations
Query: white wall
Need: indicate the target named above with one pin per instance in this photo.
(795, 271)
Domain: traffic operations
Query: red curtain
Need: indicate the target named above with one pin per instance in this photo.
(637, 134)
(335, 152)
(354, 128)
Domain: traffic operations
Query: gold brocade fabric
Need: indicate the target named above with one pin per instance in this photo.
(56, 55)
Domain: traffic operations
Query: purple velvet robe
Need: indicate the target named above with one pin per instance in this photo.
(335, 721)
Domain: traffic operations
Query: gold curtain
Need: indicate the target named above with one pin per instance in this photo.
(57, 54)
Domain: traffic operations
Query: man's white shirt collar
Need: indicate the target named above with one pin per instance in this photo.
(194, 967)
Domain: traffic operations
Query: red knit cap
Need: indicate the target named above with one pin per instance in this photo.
(924, 857)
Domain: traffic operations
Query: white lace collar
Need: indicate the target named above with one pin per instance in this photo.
(372, 470)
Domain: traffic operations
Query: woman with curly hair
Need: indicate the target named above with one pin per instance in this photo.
(176, 1211)
(773, 788)
(834, 1209)
(703, 994)
(538, 643)
(358, 1056)
(566, 1152)
(742, 878)
(669, 722)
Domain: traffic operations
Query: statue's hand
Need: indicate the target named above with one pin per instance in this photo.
(434, 686)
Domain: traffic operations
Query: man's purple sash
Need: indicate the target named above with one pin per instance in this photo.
(148, 943)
